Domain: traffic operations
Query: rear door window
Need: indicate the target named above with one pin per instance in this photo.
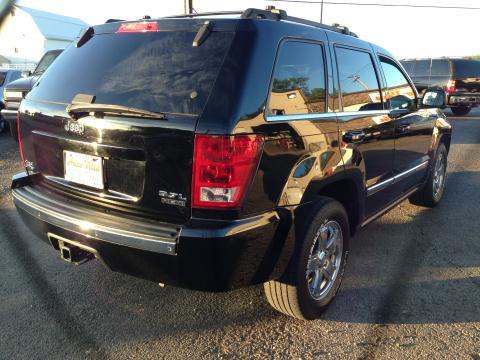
(3, 76)
(440, 67)
(155, 71)
(422, 68)
(298, 85)
(408, 66)
(358, 80)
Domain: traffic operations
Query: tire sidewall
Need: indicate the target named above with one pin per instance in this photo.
(327, 210)
(440, 150)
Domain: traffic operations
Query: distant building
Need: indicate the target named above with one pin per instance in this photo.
(26, 34)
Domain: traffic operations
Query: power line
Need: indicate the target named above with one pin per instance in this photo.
(382, 5)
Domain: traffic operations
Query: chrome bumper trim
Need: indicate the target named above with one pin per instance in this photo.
(149, 236)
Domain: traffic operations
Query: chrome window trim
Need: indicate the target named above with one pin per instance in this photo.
(325, 115)
(371, 190)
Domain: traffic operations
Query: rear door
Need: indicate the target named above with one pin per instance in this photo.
(366, 129)
(124, 161)
(413, 128)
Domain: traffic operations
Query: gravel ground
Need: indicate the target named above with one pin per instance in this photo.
(411, 290)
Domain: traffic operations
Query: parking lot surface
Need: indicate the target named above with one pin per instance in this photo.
(411, 290)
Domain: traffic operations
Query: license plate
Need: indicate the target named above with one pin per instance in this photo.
(84, 169)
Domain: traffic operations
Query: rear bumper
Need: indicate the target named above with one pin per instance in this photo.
(10, 116)
(464, 100)
(202, 255)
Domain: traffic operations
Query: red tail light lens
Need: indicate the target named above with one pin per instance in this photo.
(20, 144)
(144, 26)
(450, 86)
(223, 168)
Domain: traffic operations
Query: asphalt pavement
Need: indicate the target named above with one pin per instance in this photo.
(411, 290)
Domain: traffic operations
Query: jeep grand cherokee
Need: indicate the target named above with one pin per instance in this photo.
(218, 152)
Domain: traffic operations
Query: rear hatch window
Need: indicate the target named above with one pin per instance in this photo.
(155, 71)
(466, 68)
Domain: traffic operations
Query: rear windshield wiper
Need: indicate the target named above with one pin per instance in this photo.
(81, 108)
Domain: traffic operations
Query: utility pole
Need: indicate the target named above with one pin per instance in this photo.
(321, 13)
(188, 7)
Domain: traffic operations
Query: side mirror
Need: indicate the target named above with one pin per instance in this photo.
(26, 73)
(434, 98)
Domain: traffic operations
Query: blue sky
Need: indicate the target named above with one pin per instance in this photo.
(405, 32)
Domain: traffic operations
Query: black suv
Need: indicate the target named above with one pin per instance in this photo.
(218, 152)
(16, 90)
(460, 78)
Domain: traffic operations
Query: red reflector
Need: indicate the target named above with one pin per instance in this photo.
(450, 86)
(20, 144)
(143, 26)
(223, 168)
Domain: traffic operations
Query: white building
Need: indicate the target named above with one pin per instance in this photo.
(26, 34)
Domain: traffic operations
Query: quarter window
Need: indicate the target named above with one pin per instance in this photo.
(298, 85)
(400, 95)
(358, 81)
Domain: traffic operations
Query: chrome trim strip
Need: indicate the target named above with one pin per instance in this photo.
(380, 186)
(158, 238)
(325, 115)
(371, 190)
(110, 194)
(363, 113)
(301, 117)
(410, 171)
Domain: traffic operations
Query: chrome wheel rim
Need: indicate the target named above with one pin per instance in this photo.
(324, 260)
(439, 176)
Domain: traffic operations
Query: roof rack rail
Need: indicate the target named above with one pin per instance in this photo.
(276, 14)
(271, 13)
(204, 14)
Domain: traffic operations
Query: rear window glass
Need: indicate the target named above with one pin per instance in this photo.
(3, 76)
(298, 85)
(440, 68)
(466, 68)
(358, 81)
(159, 72)
(422, 68)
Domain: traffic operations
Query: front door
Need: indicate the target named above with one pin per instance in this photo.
(413, 128)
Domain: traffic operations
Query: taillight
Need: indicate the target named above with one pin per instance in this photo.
(20, 144)
(450, 86)
(144, 26)
(223, 168)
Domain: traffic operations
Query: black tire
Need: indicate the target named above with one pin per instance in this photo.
(14, 131)
(3, 125)
(461, 110)
(432, 192)
(292, 294)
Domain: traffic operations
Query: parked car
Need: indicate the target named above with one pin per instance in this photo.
(213, 153)
(6, 76)
(459, 77)
(15, 91)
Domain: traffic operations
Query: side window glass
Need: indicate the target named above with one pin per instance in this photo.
(400, 94)
(422, 68)
(440, 68)
(299, 80)
(358, 81)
